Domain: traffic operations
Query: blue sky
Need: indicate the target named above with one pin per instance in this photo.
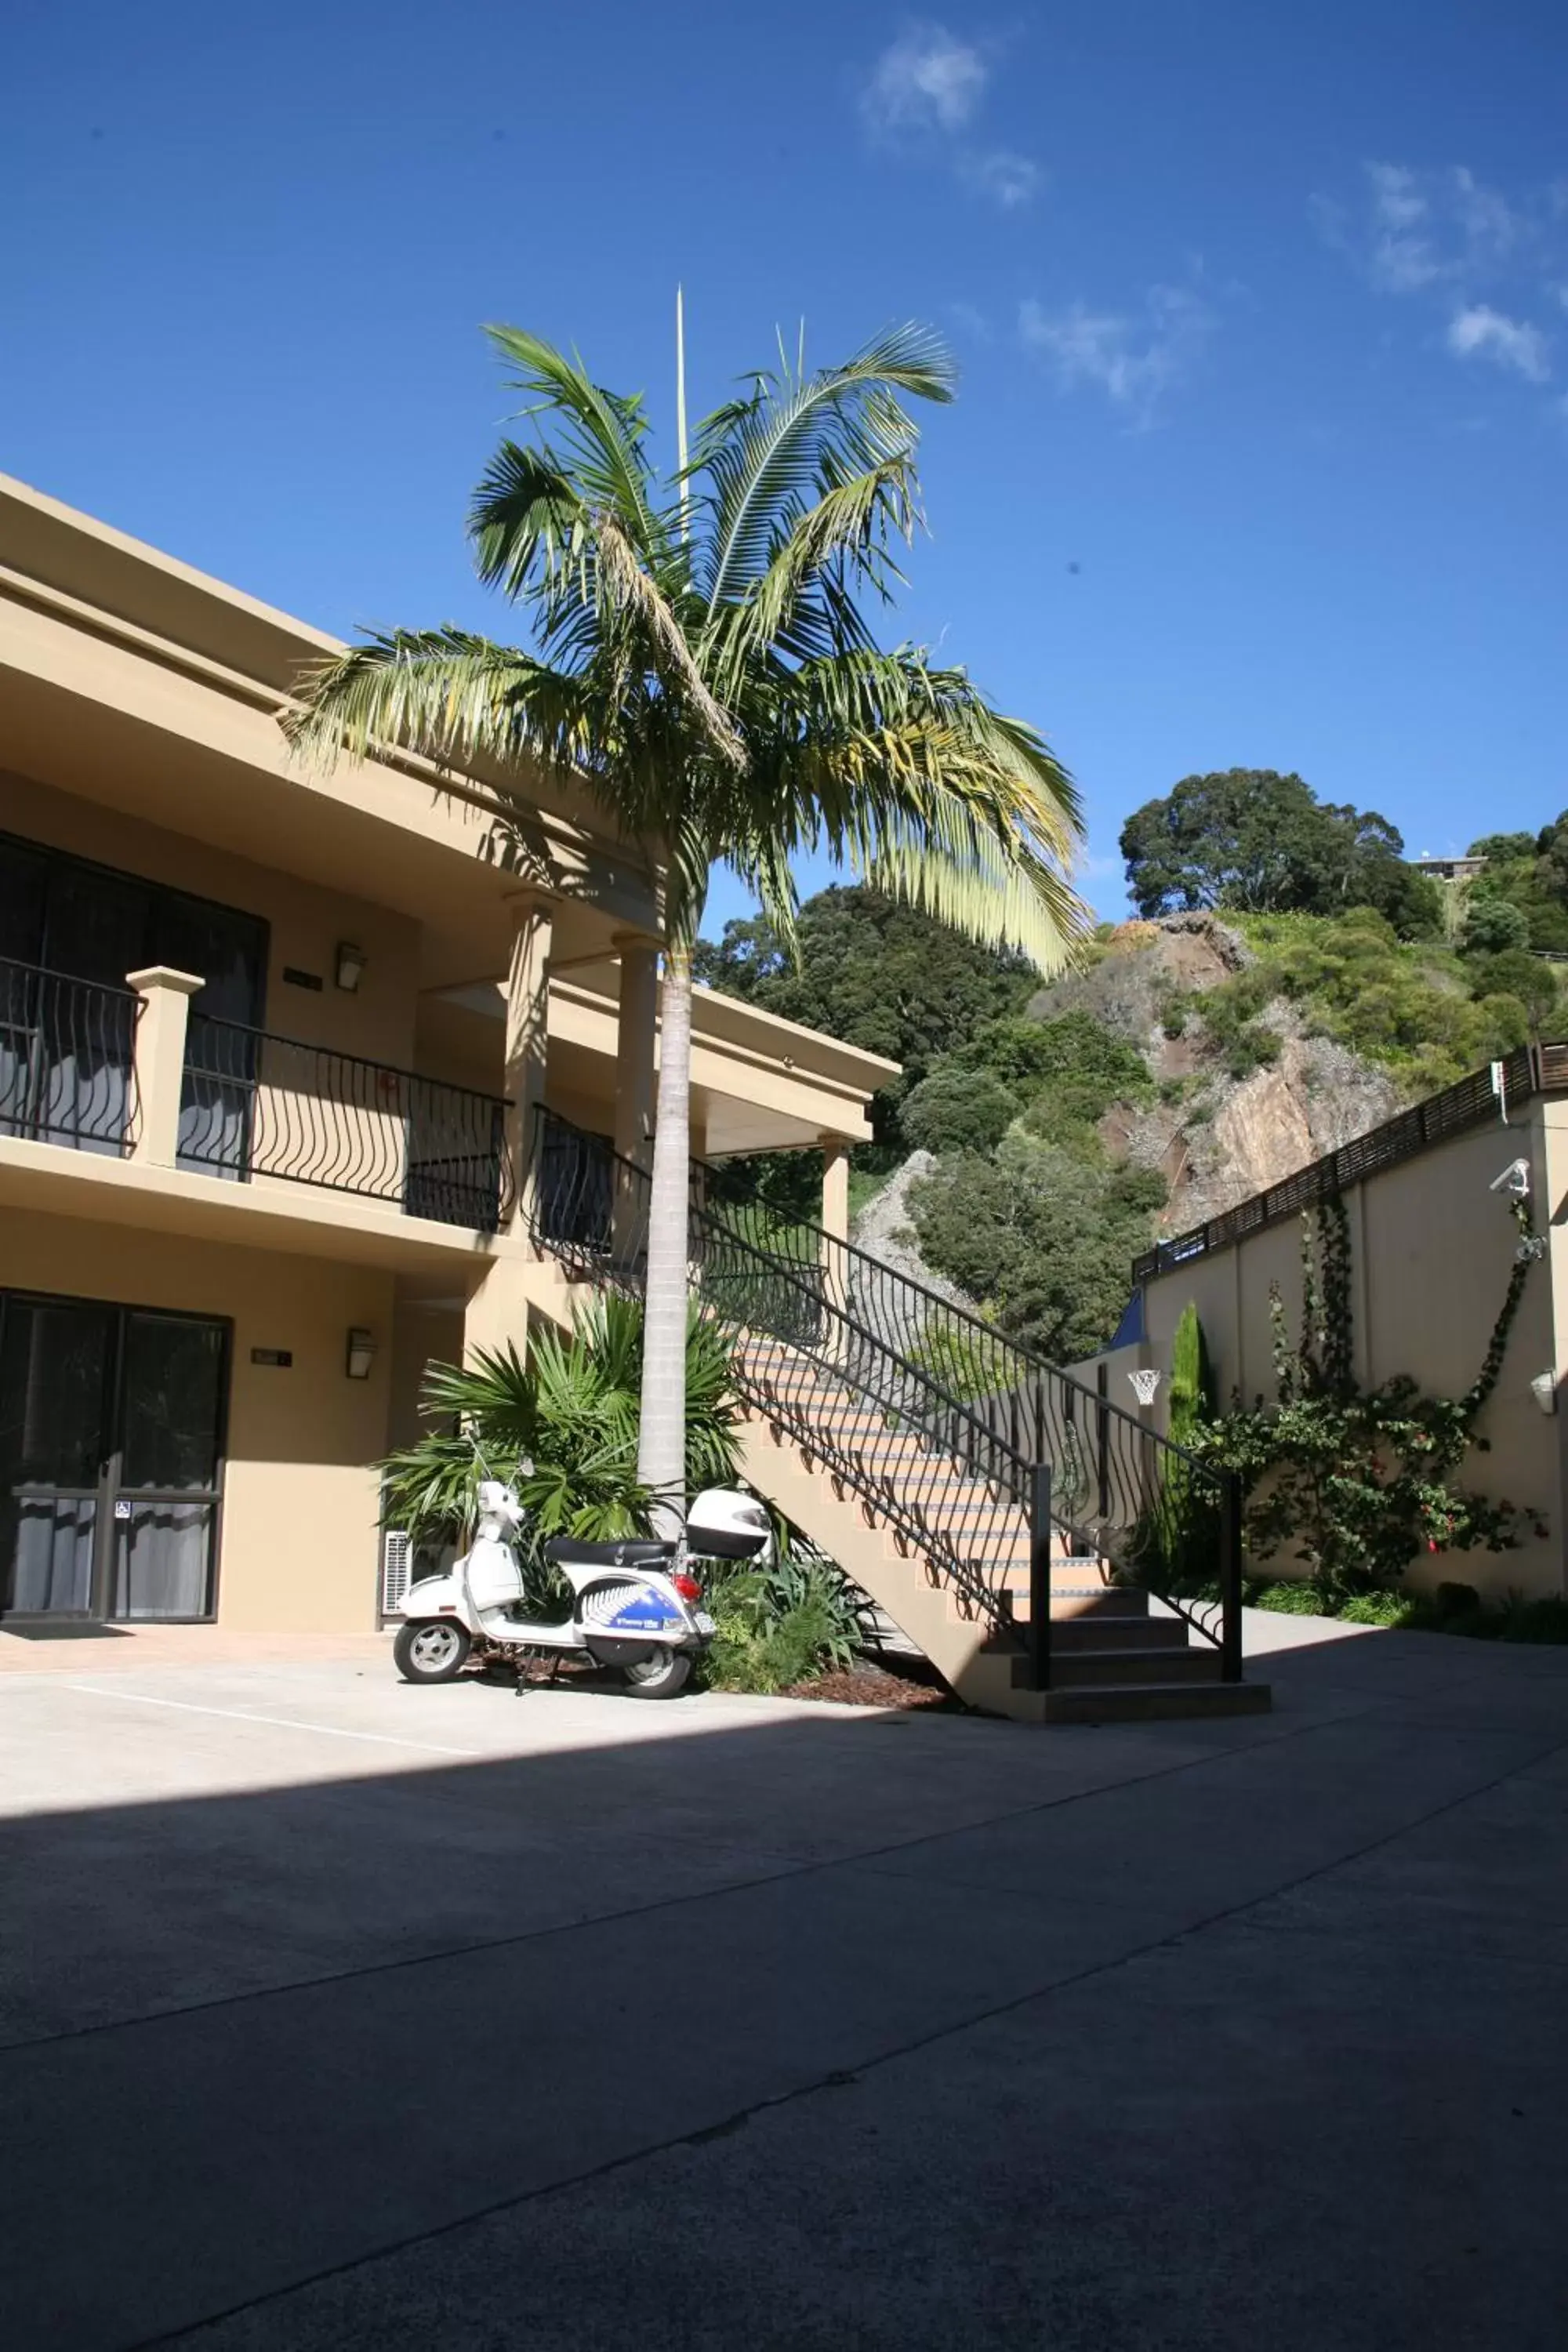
(1262, 449)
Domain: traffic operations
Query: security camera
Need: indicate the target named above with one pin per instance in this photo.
(1515, 1181)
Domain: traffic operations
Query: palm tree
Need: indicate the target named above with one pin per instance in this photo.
(703, 664)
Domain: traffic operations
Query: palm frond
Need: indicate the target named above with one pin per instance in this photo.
(526, 521)
(605, 429)
(907, 775)
(763, 461)
(639, 594)
(445, 694)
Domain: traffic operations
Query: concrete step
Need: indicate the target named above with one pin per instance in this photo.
(1154, 1702)
(1092, 1601)
(1093, 1629)
(1072, 1668)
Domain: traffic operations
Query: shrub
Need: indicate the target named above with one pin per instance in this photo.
(1043, 1235)
(1424, 1013)
(1377, 1608)
(1519, 974)
(1492, 925)
(780, 1625)
(1068, 1070)
(957, 1109)
(1293, 1600)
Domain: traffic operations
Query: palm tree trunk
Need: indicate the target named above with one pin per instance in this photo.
(661, 1428)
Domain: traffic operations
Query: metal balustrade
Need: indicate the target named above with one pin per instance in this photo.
(67, 1060)
(259, 1105)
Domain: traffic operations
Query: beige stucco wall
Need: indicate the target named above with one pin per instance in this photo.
(299, 1545)
(1432, 1248)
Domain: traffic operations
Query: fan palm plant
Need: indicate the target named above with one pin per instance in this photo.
(703, 664)
(560, 1422)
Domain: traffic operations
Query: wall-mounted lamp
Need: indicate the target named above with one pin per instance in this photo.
(351, 965)
(1544, 1389)
(360, 1354)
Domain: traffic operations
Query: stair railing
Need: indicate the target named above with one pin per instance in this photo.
(1152, 1512)
(975, 1450)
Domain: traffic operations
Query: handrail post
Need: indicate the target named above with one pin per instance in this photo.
(1230, 1578)
(1040, 1577)
(160, 1059)
(1102, 1440)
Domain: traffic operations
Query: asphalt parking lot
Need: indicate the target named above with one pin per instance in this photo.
(338, 2013)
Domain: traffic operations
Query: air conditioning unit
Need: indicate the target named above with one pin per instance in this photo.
(396, 1560)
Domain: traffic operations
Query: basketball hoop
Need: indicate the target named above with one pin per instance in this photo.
(1145, 1384)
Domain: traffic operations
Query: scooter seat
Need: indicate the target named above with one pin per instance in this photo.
(626, 1551)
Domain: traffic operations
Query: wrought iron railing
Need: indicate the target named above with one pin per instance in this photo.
(67, 1060)
(973, 1448)
(257, 1104)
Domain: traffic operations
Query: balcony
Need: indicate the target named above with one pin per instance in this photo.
(78, 1068)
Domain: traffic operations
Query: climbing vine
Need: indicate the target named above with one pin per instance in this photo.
(1357, 1481)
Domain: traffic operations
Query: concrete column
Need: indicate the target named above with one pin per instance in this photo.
(159, 1060)
(527, 1047)
(835, 1221)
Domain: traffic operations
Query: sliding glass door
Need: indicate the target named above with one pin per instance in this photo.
(111, 1424)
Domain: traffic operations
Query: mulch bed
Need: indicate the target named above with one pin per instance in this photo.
(869, 1685)
(860, 1685)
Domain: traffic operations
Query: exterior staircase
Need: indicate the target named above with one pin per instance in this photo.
(988, 1528)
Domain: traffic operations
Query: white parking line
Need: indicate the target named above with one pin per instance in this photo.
(279, 1722)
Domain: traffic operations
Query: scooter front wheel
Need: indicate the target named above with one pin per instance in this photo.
(431, 1650)
(660, 1677)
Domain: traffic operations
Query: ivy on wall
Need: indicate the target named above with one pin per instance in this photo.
(1358, 1482)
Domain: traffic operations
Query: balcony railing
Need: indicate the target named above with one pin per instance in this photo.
(251, 1104)
(67, 1060)
(257, 1104)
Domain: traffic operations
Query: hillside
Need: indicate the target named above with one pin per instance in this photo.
(1041, 1137)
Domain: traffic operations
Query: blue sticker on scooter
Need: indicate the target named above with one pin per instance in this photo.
(646, 1613)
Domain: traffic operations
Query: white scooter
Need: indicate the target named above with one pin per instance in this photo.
(634, 1601)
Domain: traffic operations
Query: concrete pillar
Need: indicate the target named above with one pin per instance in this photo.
(527, 1048)
(635, 1033)
(159, 1060)
(835, 1225)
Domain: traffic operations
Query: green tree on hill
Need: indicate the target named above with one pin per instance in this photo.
(1256, 842)
(879, 975)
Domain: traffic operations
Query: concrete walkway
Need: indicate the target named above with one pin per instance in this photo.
(345, 2015)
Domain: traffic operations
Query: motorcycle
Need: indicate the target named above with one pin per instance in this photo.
(635, 1601)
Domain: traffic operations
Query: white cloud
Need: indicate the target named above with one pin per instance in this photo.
(927, 80)
(1009, 179)
(1401, 256)
(1492, 229)
(1480, 331)
(1446, 238)
(926, 90)
(1421, 229)
(1132, 358)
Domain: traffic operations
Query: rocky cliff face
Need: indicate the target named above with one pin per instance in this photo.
(1216, 1138)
